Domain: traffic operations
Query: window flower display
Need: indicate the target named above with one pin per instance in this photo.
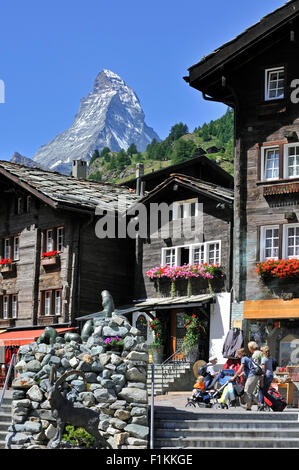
(50, 254)
(4, 262)
(278, 269)
(187, 272)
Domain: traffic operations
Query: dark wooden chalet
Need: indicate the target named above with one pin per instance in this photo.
(208, 208)
(42, 212)
(198, 167)
(257, 73)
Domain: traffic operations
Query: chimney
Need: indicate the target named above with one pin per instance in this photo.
(139, 175)
(79, 169)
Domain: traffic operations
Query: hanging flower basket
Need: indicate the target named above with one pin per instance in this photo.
(278, 269)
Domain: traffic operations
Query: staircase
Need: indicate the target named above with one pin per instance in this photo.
(176, 376)
(220, 429)
(5, 417)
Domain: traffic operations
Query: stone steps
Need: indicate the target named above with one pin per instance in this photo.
(225, 429)
(5, 417)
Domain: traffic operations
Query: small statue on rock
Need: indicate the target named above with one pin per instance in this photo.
(93, 318)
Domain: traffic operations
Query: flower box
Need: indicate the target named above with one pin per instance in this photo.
(50, 261)
(7, 266)
(51, 258)
(283, 269)
(187, 280)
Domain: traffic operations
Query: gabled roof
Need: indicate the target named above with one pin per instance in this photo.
(180, 167)
(66, 192)
(198, 186)
(234, 49)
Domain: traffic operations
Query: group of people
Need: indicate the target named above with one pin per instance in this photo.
(246, 371)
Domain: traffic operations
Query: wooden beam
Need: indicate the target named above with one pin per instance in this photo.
(274, 308)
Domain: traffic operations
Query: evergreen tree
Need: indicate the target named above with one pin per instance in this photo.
(132, 150)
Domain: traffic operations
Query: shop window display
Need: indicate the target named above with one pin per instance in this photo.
(282, 337)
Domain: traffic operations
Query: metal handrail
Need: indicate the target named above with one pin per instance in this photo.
(7, 378)
(152, 408)
(174, 364)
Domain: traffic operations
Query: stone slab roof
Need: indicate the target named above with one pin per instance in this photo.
(62, 191)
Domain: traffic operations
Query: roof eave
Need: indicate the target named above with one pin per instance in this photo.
(218, 59)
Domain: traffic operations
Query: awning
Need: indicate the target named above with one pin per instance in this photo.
(274, 308)
(157, 303)
(17, 338)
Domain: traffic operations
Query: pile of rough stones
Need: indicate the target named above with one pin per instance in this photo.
(116, 386)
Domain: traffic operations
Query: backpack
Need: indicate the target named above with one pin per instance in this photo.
(203, 371)
(257, 368)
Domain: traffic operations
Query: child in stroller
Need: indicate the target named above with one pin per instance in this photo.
(200, 396)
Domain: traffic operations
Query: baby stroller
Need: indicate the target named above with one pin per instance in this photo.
(229, 392)
(201, 399)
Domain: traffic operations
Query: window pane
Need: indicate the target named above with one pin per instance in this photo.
(272, 163)
(293, 161)
(271, 243)
(293, 242)
(275, 84)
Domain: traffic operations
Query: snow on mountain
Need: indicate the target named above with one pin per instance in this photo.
(110, 116)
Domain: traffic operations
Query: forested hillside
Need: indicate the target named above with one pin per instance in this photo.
(214, 139)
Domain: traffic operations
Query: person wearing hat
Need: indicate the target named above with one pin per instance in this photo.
(210, 366)
(211, 373)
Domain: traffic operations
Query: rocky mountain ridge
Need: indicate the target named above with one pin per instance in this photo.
(110, 116)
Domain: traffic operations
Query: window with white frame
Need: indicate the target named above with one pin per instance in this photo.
(186, 208)
(49, 240)
(270, 163)
(5, 306)
(199, 253)
(48, 303)
(59, 239)
(169, 256)
(291, 160)
(213, 253)
(14, 306)
(274, 83)
(57, 296)
(269, 242)
(16, 248)
(291, 241)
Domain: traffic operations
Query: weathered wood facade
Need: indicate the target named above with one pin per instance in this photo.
(41, 212)
(257, 74)
(171, 243)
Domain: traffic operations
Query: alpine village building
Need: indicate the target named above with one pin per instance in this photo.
(257, 74)
(59, 266)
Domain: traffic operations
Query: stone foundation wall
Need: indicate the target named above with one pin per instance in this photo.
(116, 387)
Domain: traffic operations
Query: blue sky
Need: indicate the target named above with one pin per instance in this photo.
(50, 53)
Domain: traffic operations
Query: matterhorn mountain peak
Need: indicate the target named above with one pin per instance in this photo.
(110, 116)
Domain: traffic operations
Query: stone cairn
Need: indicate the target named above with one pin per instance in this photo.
(116, 386)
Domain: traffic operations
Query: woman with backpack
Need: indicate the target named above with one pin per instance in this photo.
(250, 378)
(268, 365)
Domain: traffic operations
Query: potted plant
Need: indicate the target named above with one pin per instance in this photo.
(114, 343)
(157, 346)
(194, 328)
(50, 258)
